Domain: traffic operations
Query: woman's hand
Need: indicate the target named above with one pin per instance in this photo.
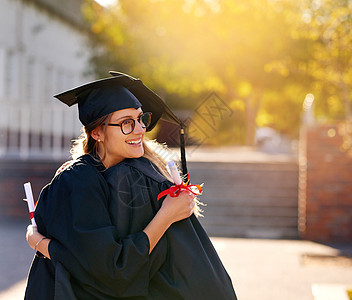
(33, 236)
(178, 208)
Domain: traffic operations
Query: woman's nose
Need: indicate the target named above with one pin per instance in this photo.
(138, 128)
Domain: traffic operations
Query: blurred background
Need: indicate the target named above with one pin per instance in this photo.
(263, 86)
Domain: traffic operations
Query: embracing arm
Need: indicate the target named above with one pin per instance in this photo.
(172, 210)
(37, 241)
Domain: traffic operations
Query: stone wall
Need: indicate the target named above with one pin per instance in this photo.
(325, 185)
(13, 174)
(243, 199)
(248, 199)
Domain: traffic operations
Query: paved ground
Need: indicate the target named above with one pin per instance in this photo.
(260, 269)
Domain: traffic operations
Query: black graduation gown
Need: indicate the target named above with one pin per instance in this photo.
(98, 249)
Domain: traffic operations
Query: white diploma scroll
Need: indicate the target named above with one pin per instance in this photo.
(30, 201)
(175, 175)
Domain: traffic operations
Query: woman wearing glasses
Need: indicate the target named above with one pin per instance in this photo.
(102, 234)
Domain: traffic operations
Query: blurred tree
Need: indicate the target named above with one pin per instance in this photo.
(328, 26)
(259, 57)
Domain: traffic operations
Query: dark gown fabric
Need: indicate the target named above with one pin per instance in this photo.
(99, 250)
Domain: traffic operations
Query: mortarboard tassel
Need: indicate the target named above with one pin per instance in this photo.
(182, 148)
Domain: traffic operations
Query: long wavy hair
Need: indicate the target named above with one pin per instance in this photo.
(85, 144)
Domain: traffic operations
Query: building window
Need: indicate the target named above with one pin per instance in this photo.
(30, 80)
(60, 76)
(49, 82)
(10, 67)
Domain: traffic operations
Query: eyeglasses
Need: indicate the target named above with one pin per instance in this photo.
(128, 125)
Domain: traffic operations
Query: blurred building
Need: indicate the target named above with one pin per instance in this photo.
(43, 51)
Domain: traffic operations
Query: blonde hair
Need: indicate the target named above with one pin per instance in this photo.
(157, 154)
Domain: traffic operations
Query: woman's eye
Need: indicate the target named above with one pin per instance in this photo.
(126, 122)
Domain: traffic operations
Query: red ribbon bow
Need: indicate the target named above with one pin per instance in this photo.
(175, 190)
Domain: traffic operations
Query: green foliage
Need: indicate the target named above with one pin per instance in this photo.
(327, 25)
(260, 56)
(349, 293)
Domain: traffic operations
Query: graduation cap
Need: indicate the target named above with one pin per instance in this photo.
(101, 97)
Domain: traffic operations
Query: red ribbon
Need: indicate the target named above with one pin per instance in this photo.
(175, 190)
(31, 214)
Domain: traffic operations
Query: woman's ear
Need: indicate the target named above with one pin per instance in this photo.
(97, 134)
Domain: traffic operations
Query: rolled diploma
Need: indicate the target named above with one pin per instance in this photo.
(175, 175)
(30, 200)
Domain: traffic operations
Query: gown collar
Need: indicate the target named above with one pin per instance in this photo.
(146, 167)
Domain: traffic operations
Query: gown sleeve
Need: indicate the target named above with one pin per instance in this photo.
(74, 211)
(133, 204)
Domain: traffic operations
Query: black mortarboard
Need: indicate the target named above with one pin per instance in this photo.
(104, 96)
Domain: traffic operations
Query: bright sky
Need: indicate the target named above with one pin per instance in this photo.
(106, 2)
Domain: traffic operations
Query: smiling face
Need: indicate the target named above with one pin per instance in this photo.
(114, 144)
